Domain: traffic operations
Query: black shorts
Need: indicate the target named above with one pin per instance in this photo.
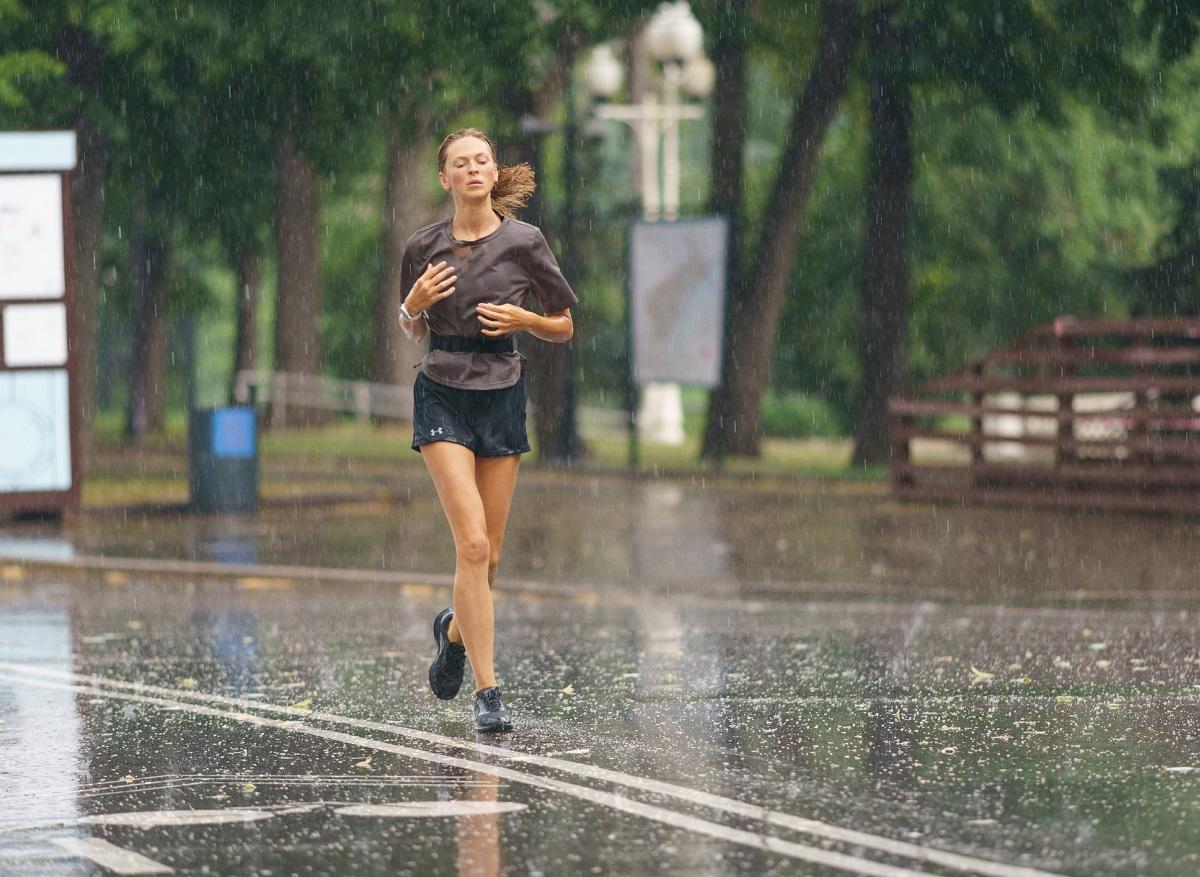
(489, 422)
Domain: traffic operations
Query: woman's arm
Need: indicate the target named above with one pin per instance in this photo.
(501, 320)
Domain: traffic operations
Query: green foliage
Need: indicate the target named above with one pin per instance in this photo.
(349, 265)
(1016, 219)
(1032, 197)
(798, 416)
(18, 70)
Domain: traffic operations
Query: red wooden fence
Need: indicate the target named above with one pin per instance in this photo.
(1078, 412)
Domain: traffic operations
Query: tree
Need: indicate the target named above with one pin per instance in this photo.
(1010, 55)
(1170, 282)
(55, 59)
(885, 279)
(734, 424)
(298, 69)
(548, 38)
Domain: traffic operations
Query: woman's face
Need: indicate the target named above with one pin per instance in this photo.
(470, 169)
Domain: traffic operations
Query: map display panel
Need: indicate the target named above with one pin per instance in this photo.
(35, 443)
(31, 237)
(677, 292)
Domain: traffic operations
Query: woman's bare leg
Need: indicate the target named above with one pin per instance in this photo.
(496, 478)
(453, 468)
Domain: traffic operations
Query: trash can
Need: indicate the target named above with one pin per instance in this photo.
(223, 452)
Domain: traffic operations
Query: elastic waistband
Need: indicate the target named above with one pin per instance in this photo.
(465, 344)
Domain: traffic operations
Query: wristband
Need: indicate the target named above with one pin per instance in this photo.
(406, 314)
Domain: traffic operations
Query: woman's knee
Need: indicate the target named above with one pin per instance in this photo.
(474, 549)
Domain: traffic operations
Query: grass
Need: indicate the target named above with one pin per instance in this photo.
(815, 457)
(101, 491)
(827, 458)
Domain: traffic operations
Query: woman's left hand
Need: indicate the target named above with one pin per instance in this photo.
(500, 320)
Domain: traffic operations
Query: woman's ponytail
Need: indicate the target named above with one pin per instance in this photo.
(513, 187)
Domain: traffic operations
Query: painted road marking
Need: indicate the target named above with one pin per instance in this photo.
(176, 782)
(110, 856)
(765, 843)
(719, 803)
(430, 809)
(159, 818)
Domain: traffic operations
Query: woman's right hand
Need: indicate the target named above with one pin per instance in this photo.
(431, 287)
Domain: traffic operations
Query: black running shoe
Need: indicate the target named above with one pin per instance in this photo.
(446, 671)
(490, 714)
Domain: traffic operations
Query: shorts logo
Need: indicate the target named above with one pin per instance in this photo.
(438, 431)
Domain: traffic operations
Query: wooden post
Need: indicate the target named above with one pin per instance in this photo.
(1141, 406)
(901, 450)
(1065, 421)
(279, 400)
(362, 401)
(977, 418)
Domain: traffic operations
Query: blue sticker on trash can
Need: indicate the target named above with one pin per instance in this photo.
(233, 433)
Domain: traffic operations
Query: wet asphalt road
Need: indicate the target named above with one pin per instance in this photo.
(705, 680)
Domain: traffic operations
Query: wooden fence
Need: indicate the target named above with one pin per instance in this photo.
(1078, 412)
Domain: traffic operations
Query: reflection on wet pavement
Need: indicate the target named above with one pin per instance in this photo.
(743, 539)
(995, 692)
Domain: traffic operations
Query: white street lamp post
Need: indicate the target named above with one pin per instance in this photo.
(674, 38)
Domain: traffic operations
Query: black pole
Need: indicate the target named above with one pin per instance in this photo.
(567, 450)
(631, 388)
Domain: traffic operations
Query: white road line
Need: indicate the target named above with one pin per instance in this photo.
(171, 783)
(109, 856)
(766, 843)
(812, 827)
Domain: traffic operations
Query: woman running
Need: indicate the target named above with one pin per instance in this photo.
(467, 279)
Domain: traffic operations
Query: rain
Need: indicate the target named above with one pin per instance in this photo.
(785, 413)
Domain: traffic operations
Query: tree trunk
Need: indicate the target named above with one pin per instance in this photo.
(405, 209)
(547, 363)
(752, 319)
(154, 373)
(298, 297)
(728, 175)
(87, 198)
(83, 56)
(148, 255)
(249, 286)
(884, 290)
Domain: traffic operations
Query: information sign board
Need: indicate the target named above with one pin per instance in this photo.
(677, 300)
(38, 373)
(31, 237)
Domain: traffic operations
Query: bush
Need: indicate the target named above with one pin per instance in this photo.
(796, 415)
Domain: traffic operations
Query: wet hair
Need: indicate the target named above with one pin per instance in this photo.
(515, 183)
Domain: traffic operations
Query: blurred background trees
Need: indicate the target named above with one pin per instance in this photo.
(909, 182)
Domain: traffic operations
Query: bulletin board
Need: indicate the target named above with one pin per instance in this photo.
(39, 448)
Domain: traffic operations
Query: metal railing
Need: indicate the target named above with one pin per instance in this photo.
(280, 391)
(1076, 412)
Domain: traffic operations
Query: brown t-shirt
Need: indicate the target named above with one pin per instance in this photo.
(503, 267)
